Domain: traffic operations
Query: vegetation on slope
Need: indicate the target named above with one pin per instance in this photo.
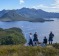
(11, 36)
(20, 50)
(56, 45)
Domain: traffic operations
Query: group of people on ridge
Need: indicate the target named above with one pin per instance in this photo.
(35, 42)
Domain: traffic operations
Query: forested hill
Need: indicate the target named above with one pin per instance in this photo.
(11, 36)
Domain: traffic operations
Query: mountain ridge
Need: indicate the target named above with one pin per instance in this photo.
(11, 16)
(26, 14)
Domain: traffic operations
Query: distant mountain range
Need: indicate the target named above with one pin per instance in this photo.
(26, 14)
(11, 16)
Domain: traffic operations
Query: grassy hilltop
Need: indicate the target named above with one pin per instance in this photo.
(20, 50)
(12, 44)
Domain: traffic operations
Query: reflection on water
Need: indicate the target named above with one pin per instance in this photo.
(43, 29)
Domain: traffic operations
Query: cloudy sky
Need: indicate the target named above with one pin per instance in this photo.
(46, 5)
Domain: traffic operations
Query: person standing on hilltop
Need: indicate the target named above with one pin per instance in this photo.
(30, 40)
(45, 40)
(35, 40)
(51, 35)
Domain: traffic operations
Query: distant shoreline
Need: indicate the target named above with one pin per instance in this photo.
(27, 20)
(49, 20)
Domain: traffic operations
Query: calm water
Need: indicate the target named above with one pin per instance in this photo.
(42, 29)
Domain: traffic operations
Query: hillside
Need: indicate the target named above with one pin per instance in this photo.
(36, 13)
(20, 50)
(12, 16)
(11, 36)
(3, 12)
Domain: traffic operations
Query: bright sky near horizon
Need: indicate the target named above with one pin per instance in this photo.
(46, 5)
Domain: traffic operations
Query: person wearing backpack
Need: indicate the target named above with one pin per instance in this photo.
(51, 35)
(45, 40)
(35, 40)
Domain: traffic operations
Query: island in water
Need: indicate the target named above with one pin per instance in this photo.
(27, 14)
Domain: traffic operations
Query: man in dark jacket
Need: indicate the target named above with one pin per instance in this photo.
(45, 40)
(35, 40)
(51, 35)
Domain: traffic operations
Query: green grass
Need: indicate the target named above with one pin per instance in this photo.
(20, 50)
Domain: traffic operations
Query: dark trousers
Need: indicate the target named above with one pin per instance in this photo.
(50, 42)
(31, 42)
